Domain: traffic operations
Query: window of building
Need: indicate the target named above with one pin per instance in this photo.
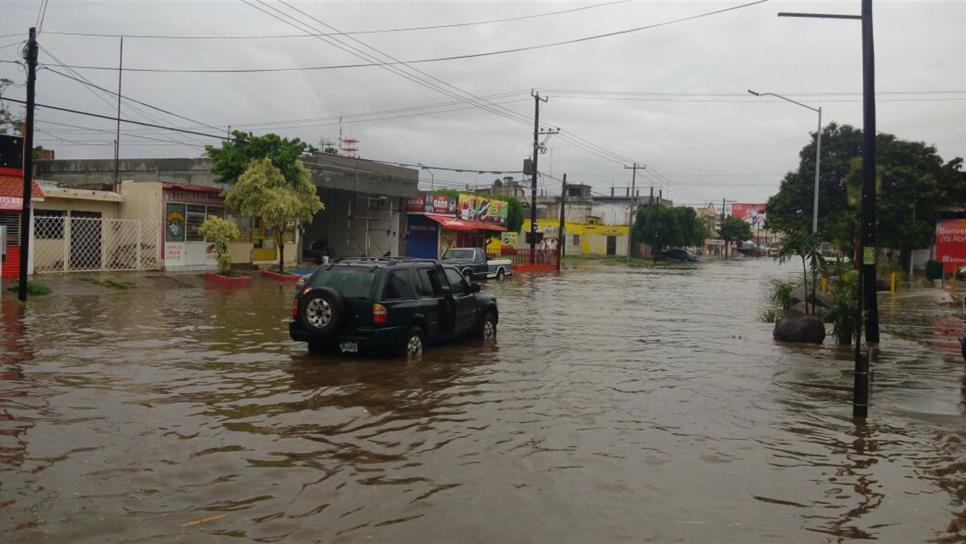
(576, 239)
(49, 224)
(174, 223)
(193, 220)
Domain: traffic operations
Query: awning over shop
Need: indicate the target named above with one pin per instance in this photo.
(11, 189)
(452, 223)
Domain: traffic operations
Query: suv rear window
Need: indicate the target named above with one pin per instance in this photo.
(348, 281)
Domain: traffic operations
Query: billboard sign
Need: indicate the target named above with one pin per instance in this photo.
(431, 203)
(481, 208)
(754, 214)
(951, 243)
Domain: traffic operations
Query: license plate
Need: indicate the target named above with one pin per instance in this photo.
(349, 347)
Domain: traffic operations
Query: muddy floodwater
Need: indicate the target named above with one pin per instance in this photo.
(618, 405)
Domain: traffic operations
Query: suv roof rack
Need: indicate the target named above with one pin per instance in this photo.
(387, 261)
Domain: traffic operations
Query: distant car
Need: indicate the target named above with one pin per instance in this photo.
(474, 264)
(389, 306)
(961, 273)
(678, 254)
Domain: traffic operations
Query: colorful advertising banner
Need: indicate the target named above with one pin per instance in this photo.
(481, 208)
(431, 203)
(754, 214)
(951, 243)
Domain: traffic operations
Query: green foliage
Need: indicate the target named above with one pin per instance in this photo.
(451, 193)
(231, 159)
(663, 226)
(263, 192)
(842, 312)
(33, 289)
(514, 214)
(768, 315)
(781, 295)
(220, 232)
(804, 245)
(912, 182)
(735, 230)
(8, 121)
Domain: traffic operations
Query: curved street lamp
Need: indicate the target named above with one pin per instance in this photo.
(818, 150)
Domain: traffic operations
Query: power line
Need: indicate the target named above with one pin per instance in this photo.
(420, 61)
(145, 104)
(108, 117)
(351, 33)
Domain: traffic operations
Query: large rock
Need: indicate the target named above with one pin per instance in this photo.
(795, 326)
(822, 299)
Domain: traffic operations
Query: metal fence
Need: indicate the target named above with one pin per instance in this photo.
(92, 244)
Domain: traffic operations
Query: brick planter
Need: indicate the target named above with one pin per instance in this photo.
(228, 281)
(277, 276)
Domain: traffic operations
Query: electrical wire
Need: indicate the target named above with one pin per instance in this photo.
(41, 15)
(351, 33)
(109, 118)
(419, 61)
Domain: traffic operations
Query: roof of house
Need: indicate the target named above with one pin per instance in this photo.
(11, 184)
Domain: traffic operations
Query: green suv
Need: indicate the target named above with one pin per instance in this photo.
(389, 306)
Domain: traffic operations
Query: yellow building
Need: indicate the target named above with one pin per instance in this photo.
(588, 238)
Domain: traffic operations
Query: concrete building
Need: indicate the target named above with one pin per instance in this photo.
(364, 209)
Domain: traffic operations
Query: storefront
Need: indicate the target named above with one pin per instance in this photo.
(185, 208)
(11, 206)
(438, 222)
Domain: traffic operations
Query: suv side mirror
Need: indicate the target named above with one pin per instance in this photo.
(474, 287)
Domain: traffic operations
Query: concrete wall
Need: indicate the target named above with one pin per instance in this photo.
(591, 239)
(142, 200)
(100, 173)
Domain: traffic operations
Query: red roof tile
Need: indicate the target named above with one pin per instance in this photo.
(12, 185)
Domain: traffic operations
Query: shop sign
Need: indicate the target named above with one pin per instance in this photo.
(173, 252)
(951, 244)
(11, 203)
(509, 238)
(481, 208)
(193, 197)
(431, 203)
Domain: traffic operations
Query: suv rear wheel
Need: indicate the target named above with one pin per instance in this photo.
(412, 346)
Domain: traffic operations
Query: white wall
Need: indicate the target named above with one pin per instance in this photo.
(612, 213)
(348, 217)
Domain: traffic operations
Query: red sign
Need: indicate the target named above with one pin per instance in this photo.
(11, 203)
(951, 244)
(431, 203)
(752, 213)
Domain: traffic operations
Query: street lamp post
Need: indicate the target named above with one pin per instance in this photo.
(818, 152)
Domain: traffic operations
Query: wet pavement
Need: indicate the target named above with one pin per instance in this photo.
(641, 405)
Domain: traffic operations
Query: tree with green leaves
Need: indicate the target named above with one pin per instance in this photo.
(263, 192)
(663, 226)
(220, 232)
(735, 230)
(8, 121)
(514, 214)
(912, 181)
(231, 159)
(804, 245)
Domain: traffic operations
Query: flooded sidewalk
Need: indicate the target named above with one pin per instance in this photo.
(618, 405)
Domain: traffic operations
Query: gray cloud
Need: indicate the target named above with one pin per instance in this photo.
(919, 46)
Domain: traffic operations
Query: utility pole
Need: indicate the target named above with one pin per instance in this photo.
(867, 305)
(722, 226)
(561, 239)
(632, 205)
(117, 140)
(537, 99)
(30, 55)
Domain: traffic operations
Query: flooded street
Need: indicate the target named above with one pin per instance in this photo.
(642, 405)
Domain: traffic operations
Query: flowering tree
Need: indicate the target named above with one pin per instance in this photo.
(263, 192)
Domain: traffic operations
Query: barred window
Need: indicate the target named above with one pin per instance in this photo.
(49, 224)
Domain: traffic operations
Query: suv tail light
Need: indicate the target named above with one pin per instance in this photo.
(295, 308)
(379, 314)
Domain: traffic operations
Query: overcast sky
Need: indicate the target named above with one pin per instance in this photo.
(723, 144)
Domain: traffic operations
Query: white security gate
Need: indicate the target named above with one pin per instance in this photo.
(76, 243)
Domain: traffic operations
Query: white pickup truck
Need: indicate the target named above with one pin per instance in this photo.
(473, 263)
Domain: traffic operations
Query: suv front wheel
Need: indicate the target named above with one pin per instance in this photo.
(487, 328)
